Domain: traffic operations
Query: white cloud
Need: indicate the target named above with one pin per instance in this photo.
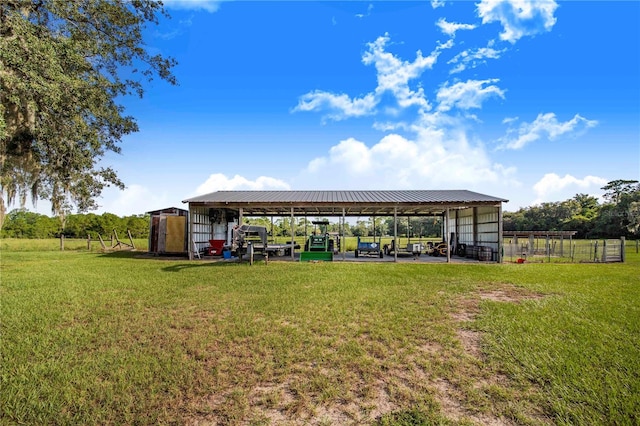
(363, 15)
(473, 57)
(469, 94)
(435, 158)
(220, 182)
(450, 28)
(134, 199)
(206, 5)
(341, 105)
(519, 18)
(552, 187)
(545, 125)
(394, 74)
(437, 3)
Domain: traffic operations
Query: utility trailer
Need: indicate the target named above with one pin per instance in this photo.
(413, 248)
(369, 248)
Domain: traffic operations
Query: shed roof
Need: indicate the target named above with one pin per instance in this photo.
(354, 203)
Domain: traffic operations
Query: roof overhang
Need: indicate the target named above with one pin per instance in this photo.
(347, 203)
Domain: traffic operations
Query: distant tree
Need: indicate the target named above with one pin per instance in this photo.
(21, 223)
(616, 189)
(619, 216)
(63, 67)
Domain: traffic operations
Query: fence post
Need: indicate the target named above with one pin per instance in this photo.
(637, 245)
(604, 250)
(548, 249)
(89, 242)
(595, 252)
(61, 242)
(623, 243)
(573, 251)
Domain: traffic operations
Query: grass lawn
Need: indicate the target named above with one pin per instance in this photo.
(93, 338)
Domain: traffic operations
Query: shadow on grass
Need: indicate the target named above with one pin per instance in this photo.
(184, 263)
(198, 264)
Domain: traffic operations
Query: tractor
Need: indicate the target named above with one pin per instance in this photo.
(319, 246)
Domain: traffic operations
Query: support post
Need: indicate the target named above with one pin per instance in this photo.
(622, 251)
(89, 242)
(191, 221)
(500, 238)
(104, 247)
(343, 245)
(293, 234)
(395, 233)
(447, 235)
(61, 242)
(133, 246)
(548, 248)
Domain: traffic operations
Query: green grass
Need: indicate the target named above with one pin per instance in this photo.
(93, 338)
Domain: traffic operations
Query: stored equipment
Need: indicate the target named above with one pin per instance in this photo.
(319, 246)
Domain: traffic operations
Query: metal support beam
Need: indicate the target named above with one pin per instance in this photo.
(447, 235)
(343, 245)
(500, 238)
(395, 234)
(190, 244)
(293, 234)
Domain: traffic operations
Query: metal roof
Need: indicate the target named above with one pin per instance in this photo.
(354, 203)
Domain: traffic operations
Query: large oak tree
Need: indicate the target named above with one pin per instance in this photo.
(64, 64)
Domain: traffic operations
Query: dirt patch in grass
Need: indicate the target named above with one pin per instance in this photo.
(479, 380)
(365, 380)
(469, 307)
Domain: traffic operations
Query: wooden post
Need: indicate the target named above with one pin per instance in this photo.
(61, 242)
(250, 250)
(622, 251)
(548, 249)
(604, 251)
(133, 246)
(89, 242)
(104, 247)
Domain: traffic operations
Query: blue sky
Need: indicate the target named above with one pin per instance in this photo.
(531, 101)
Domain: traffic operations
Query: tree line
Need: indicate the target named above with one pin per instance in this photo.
(383, 226)
(618, 215)
(21, 223)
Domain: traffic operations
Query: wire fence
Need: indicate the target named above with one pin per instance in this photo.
(562, 250)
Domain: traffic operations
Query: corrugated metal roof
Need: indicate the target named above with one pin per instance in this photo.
(347, 197)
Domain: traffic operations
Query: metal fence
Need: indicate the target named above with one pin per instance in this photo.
(562, 250)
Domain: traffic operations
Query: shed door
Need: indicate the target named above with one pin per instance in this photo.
(153, 234)
(175, 234)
